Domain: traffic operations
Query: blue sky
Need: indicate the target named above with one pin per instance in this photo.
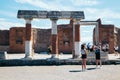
(107, 10)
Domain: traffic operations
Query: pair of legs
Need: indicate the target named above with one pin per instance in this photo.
(98, 62)
(84, 64)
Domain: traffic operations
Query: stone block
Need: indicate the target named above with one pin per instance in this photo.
(91, 57)
(3, 55)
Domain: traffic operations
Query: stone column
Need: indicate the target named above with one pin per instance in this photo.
(76, 39)
(54, 40)
(97, 33)
(28, 42)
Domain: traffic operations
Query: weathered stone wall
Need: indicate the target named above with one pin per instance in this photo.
(4, 37)
(118, 38)
(4, 40)
(4, 48)
(65, 41)
(42, 39)
(107, 35)
(17, 39)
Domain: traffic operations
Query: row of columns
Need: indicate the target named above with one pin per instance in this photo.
(54, 40)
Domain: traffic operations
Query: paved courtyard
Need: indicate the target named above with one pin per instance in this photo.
(61, 56)
(67, 72)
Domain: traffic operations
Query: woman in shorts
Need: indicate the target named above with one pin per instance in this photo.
(84, 56)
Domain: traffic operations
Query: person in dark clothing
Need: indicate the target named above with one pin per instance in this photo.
(49, 50)
(97, 56)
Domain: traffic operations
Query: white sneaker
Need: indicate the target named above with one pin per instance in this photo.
(100, 67)
(96, 67)
(83, 70)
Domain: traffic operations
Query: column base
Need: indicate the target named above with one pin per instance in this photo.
(27, 58)
(77, 50)
(53, 57)
(76, 56)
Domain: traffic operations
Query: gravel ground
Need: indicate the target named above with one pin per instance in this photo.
(64, 72)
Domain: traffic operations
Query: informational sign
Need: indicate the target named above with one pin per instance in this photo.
(50, 14)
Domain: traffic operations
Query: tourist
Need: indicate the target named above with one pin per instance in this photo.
(88, 47)
(49, 49)
(97, 55)
(104, 47)
(84, 56)
(116, 50)
(91, 48)
(107, 47)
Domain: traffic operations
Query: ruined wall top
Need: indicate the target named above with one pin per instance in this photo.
(28, 14)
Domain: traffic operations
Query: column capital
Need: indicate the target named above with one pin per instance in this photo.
(76, 21)
(53, 19)
(28, 21)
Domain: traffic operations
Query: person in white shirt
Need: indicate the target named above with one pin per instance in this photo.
(84, 56)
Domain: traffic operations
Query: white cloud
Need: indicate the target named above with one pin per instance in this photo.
(85, 2)
(94, 13)
(47, 5)
(8, 13)
(21, 1)
(90, 13)
(107, 16)
(2, 19)
(87, 31)
(86, 39)
(5, 24)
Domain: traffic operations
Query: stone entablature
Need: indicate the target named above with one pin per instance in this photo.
(29, 14)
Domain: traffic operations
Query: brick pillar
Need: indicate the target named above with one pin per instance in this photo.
(28, 42)
(76, 39)
(54, 39)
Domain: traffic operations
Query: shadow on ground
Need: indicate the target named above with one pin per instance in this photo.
(81, 70)
(75, 71)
